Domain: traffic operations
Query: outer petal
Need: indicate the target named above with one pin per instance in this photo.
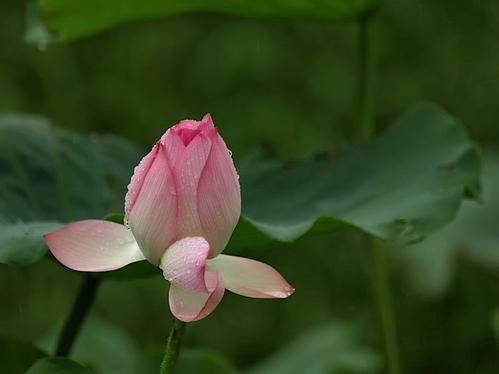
(251, 278)
(173, 146)
(138, 177)
(188, 171)
(218, 196)
(93, 245)
(191, 306)
(184, 263)
(153, 215)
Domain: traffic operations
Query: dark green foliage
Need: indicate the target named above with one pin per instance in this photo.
(57, 366)
(285, 86)
(85, 17)
(18, 356)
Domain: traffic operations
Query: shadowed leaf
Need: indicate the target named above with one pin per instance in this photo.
(76, 19)
(404, 185)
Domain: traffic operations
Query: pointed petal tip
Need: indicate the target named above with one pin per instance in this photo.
(286, 292)
(207, 118)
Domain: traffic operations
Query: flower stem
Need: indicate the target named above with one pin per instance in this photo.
(81, 306)
(172, 347)
(384, 301)
(365, 129)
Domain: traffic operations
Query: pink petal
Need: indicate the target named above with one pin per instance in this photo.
(207, 121)
(251, 278)
(153, 216)
(173, 146)
(191, 306)
(218, 196)
(138, 177)
(184, 263)
(188, 172)
(188, 129)
(93, 245)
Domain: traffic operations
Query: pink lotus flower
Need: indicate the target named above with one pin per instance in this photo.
(182, 205)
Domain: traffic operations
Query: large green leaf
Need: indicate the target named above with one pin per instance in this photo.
(404, 185)
(17, 356)
(21, 244)
(56, 365)
(330, 349)
(48, 176)
(473, 235)
(79, 18)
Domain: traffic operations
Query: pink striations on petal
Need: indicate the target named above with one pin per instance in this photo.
(153, 218)
(137, 180)
(218, 196)
(186, 186)
(187, 172)
(173, 146)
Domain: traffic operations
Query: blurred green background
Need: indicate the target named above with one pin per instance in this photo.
(288, 87)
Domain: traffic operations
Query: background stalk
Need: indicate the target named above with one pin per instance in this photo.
(385, 306)
(173, 347)
(81, 306)
(363, 91)
(365, 130)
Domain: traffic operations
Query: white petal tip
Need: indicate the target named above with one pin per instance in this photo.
(286, 292)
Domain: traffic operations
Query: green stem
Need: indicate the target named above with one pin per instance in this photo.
(81, 306)
(384, 301)
(363, 92)
(365, 129)
(172, 347)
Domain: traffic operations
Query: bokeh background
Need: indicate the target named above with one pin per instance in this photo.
(287, 87)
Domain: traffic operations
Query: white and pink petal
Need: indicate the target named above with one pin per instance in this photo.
(251, 278)
(189, 306)
(93, 245)
(184, 263)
